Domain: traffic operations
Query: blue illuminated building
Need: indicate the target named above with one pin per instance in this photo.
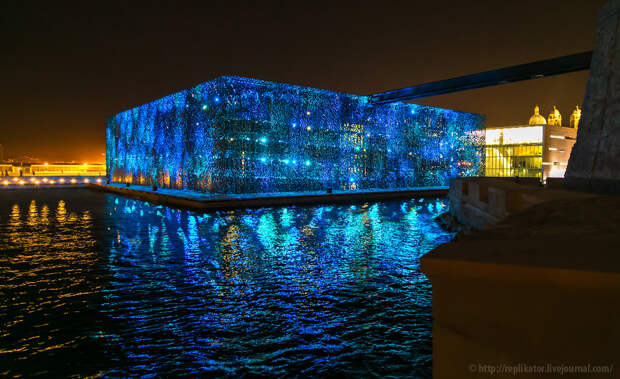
(241, 135)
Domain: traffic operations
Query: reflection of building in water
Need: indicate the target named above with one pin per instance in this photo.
(540, 149)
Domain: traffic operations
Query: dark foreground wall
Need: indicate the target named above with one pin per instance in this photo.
(594, 164)
(240, 135)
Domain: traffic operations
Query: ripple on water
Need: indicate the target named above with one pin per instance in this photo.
(93, 283)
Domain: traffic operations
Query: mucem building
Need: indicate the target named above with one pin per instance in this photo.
(241, 135)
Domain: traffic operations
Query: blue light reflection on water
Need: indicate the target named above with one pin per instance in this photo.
(309, 290)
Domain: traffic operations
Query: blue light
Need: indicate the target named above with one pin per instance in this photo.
(179, 142)
(351, 180)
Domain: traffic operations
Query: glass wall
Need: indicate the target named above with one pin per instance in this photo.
(240, 135)
(514, 151)
(514, 160)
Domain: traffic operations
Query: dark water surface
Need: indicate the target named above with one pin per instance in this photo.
(97, 284)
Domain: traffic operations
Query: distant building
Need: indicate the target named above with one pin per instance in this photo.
(540, 149)
(53, 169)
(1, 153)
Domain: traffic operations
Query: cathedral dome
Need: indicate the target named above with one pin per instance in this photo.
(555, 118)
(536, 118)
(575, 117)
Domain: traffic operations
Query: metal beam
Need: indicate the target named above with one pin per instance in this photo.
(534, 70)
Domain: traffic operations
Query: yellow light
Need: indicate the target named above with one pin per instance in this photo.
(14, 179)
(31, 179)
(98, 180)
(62, 180)
(45, 164)
(45, 180)
(73, 180)
(86, 180)
(6, 182)
(509, 136)
(52, 182)
(36, 182)
(85, 164)
(21, 182)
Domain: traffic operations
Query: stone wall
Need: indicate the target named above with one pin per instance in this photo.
(594, 164)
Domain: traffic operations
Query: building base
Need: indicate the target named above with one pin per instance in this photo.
(204, 201)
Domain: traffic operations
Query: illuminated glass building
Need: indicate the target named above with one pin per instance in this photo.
(240, 135)
(540, 149)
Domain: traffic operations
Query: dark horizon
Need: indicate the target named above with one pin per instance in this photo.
(68, 68)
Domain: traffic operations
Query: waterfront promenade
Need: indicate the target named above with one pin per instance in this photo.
(201, 200)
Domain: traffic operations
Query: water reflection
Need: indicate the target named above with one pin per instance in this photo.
(45, 283)
(149, 289)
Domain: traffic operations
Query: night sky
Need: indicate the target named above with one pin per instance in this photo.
(67, 66)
